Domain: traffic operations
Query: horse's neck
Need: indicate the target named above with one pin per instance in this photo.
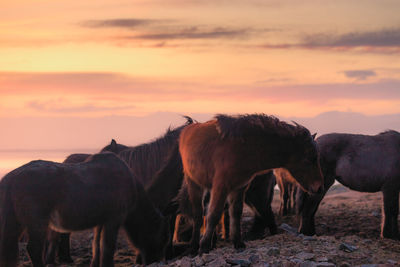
(146, 160)
(269, 155)
(167, 181)
(148, 213)
(333, 147)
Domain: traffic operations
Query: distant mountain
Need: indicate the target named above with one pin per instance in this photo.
(350, 122)
(93, 133)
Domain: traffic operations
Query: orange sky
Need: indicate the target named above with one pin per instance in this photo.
(116, 57)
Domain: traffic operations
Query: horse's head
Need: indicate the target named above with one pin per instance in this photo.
(114, 147)
(304, 163)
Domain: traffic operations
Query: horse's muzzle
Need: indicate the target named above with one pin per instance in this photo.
(316, 189)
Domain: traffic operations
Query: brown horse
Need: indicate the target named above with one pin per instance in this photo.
(287, 191)
(223, 155)
(100, 193)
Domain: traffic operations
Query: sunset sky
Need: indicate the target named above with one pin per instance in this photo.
(74, 74)
(132, 58)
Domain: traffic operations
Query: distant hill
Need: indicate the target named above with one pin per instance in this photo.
(350, 122)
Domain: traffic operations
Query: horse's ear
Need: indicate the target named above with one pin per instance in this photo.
(113, 145)
(313, 136)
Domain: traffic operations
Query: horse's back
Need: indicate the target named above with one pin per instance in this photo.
(363, 162)
(197, 146)
(76, 158)
(103, 183)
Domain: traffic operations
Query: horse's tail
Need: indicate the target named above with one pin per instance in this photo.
(9, 228)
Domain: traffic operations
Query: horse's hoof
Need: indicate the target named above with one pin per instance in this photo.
(273, 230)
(239, 245)
(66, 260)
(254, 235)
(204, 249)
(309, 232)
(390, 236)
(138, 259)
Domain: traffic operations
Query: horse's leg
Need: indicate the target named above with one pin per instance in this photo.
(235, 200)
(37, 233)
(258, 197)
(226, 224)
(96, 246)
(390, 213)
(196, 198)
(215, 209)
(108, 243)
(281, 196)
(52, 244)
(289, 201)
(170, 253)
(64, 254)
(293, 199)
(285, 199)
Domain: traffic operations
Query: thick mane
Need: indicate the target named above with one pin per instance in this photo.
(146, 159)
(255, 124)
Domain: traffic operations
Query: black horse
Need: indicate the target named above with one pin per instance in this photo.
(100, 193)
(363, 163)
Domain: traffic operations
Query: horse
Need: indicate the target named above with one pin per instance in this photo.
(287, 191)
(149, 163)
(224, 154)
(58, 243)
(159, 167)
(100, 193)
(364, 163)
(258, 197)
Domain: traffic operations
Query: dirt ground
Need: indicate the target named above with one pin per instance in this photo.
(346, 219)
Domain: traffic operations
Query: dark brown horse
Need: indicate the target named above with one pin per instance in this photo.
(287, 191)
(100, 193)
(158, 166)
(58, 243)
(223, 155)
(363, 163)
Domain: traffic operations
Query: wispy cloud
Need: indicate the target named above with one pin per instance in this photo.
(128, 88)
(128, 23)
(359, 74)
(381, 38)
(194, 33)
(381, 41)
(60, 105)
(169, 29)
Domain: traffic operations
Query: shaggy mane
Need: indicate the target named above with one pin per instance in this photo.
(242, 126)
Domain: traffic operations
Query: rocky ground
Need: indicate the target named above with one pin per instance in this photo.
(348, 227)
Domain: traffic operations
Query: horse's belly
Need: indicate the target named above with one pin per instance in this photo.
(56, 223)
(361, 183)
(363, 176)
(70, 222)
